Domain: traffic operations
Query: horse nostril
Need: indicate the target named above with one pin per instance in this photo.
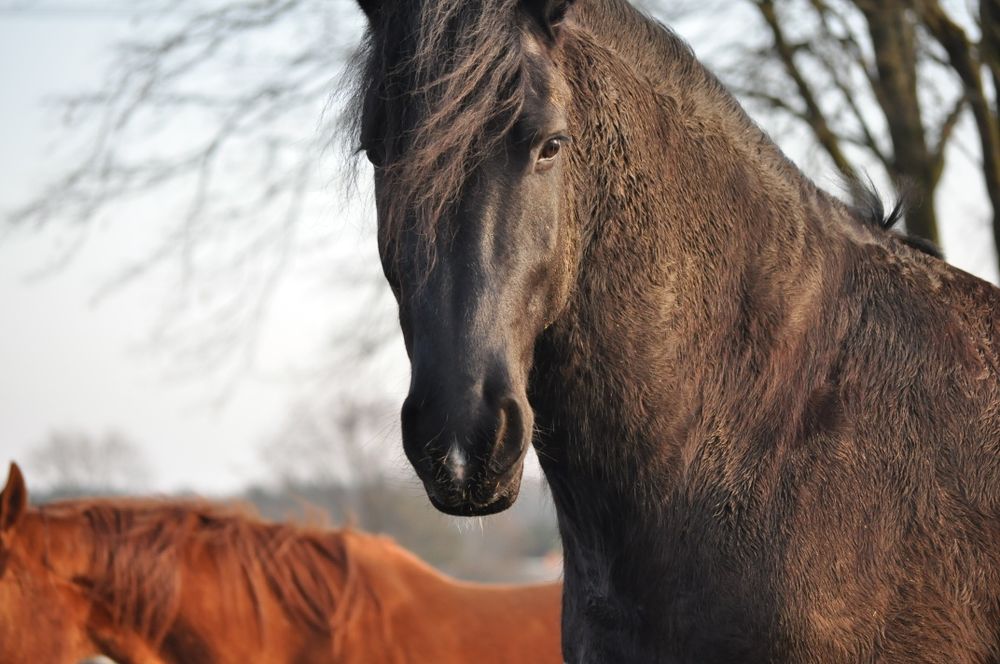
(508, 442)
(501, 427)
(491, 444)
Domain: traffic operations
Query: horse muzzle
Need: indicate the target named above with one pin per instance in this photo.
(468, 451)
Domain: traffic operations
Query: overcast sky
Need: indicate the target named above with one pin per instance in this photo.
(67, 363)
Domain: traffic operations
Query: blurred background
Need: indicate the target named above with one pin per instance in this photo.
(191, 296)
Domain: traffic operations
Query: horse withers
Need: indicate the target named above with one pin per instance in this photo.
(771, 427)
(180, 582)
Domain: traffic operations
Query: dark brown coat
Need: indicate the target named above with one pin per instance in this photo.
(771, 428)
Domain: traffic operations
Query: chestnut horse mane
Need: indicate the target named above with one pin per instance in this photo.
(140, 546)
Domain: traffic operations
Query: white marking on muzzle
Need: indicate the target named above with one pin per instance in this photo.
(457, 461)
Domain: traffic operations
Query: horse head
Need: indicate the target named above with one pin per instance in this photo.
(463, 112)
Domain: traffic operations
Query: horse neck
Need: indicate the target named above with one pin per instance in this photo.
(61, 543)
(705, 254)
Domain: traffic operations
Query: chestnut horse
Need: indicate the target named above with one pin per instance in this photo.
(161, 582)
(771, 427)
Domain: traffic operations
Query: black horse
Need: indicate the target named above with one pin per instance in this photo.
(771, 428)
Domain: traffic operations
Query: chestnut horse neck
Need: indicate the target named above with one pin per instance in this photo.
(425, 616)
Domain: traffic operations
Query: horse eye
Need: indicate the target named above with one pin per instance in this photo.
(550, 149)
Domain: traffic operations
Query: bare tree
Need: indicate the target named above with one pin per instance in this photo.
(75, 462)
(877, 83)
(338, 442)
(976, 63)
(215, 117)
(348, 442)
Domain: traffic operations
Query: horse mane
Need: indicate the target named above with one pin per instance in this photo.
(440, 84)
(139, 547)
(870, 209)
(668, 49)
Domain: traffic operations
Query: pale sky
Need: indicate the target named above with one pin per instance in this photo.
(68, 364)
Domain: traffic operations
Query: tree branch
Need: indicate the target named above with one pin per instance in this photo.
(945, 133)
(814, 116)
(962, 56)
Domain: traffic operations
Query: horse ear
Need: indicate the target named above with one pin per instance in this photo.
(13, 499)
(548, 13)
(371, 8)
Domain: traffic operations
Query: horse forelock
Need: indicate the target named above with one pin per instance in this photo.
(139, 548)
(440, 84)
